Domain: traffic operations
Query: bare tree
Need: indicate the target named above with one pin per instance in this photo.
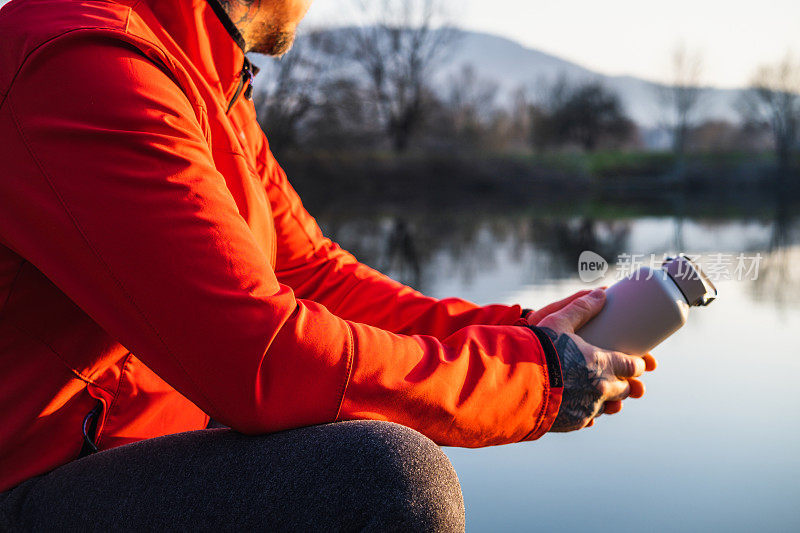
(681, 98)
(580, 113)
(520, 121)
(291, 90)
(470, 103)
(344, 119)
(774, 98)
(397, 48)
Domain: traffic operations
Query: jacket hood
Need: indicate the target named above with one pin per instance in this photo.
(199, 28)
(205, 33)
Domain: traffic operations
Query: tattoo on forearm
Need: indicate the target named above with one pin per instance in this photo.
(581, 397)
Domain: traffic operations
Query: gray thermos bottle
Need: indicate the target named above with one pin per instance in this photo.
(648, 306)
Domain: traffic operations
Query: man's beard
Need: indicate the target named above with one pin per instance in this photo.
(271, 41)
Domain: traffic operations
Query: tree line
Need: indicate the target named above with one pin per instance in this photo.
(373, 87)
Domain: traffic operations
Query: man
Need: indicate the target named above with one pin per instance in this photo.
(156, 268)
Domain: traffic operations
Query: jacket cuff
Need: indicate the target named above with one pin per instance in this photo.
(555, 385)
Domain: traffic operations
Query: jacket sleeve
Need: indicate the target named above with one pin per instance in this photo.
(109, 188)
(318, 269)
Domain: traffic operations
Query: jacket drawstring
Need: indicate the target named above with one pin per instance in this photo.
(90, 429)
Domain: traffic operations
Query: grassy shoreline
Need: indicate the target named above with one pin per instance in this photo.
(601, 183)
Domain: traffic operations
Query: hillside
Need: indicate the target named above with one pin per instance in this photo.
(511, 65)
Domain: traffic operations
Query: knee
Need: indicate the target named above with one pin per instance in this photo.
(414, 486)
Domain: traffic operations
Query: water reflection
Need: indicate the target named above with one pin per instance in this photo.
(560, 242)
(712, 446)
(423, 249)
(779, 279)
(401, 254)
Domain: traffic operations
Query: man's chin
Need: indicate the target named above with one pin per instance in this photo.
(274, 43)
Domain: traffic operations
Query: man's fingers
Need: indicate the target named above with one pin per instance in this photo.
(577, 312)
(626, 366)
(612, 407)
(637, 388)
(650, 363)
(616, 390)
(535, 317)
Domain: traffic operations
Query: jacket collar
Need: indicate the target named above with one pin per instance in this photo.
(227, 23)
(208, 37)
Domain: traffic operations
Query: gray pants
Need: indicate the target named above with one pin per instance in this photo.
(337, 477)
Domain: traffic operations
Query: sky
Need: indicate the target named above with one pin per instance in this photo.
(634, 37)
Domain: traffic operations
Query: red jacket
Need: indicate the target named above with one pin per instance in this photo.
(154, 258)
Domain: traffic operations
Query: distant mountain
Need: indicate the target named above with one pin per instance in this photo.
(511, 65)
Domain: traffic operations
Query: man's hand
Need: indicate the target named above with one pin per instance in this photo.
(595, 380)
(534, 317)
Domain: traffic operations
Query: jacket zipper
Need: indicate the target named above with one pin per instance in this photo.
(89, 429)
(245, 83)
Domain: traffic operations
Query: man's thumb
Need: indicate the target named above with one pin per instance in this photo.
(581, 310)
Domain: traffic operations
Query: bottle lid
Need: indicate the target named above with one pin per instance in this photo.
(693, 283)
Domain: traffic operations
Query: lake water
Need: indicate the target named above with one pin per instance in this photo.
(714, 444)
